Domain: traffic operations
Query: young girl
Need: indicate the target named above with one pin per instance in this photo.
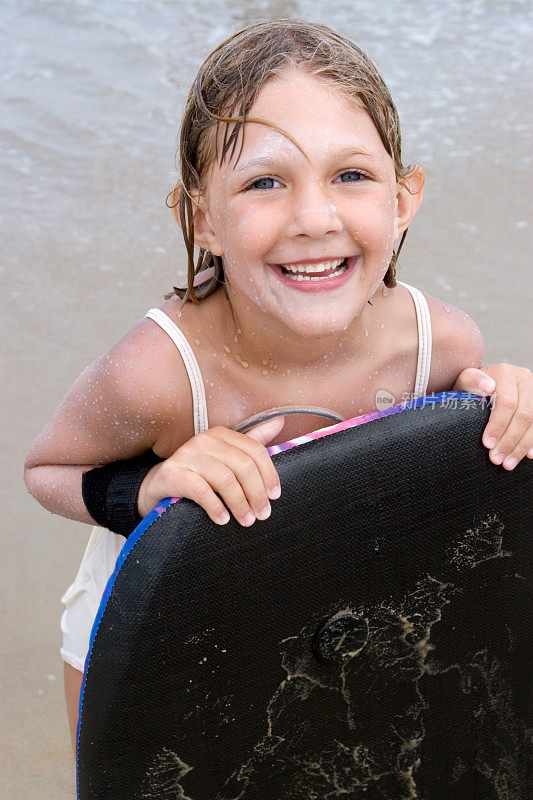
(293, 187)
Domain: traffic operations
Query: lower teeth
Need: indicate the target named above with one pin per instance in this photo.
(301, 277)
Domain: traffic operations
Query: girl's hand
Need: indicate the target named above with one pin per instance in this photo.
(509, 431)
(220, 461)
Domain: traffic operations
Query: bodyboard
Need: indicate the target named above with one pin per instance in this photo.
(371, 639)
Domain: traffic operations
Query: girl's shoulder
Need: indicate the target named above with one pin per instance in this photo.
(457, 343)
(135, 397)
(147, 375)
(144, 378)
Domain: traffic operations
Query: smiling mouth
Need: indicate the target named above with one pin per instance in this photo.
(315, 272)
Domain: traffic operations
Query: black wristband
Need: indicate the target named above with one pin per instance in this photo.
(110, 492)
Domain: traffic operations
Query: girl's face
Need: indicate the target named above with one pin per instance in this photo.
(306, 240)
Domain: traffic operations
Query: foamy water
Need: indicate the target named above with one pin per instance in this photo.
(92, 93)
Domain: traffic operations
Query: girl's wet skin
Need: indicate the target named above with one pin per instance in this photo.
(341, 379)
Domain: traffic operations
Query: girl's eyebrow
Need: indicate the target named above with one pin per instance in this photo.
(348, 152)
(265, 161)
(262, 161)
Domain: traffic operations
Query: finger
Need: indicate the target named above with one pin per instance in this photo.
(210, 442)
(259, 454)
(195, 487)
(517, 435)
(504, 405)
(266, 431)
(223, 480)
(523, 448)
(475, 381)
(247, 472)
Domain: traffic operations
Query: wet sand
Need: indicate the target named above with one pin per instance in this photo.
(92, 96)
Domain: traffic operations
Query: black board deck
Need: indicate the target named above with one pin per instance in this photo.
(371, 639)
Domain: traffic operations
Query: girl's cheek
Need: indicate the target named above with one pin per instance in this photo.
(379, 230)
(241, 228)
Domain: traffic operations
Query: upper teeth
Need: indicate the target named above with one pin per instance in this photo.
(324, 265)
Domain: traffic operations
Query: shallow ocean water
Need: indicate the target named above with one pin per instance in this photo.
(91, 98)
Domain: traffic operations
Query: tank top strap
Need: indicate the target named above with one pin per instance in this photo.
(423, 320)
(191, 365)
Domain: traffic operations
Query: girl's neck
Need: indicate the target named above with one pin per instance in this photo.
(264, 342)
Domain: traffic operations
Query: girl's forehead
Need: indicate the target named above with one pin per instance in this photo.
(317, 114)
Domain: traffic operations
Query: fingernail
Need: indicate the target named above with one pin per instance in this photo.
(498, 458)
(275, 492)
(249, 519)
(223, 518)
(530, 453)
(487, 385)
(490, 442)
(510, 463)
(265, 512)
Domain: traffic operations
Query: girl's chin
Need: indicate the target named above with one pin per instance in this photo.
(319, 325)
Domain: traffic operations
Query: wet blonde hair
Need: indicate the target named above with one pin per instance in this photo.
(224, 91)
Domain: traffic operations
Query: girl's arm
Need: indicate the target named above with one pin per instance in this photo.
(122, 405)
(58, 489)
(136, 398)
(457, 344)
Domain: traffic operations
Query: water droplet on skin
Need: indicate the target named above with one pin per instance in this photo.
(235, 338)
(226, 348)
(447, 309)
(366, 333)
(385, 291)
(382, 326)
(264, 362)
(265, 372)
(211, 383)
(196, 341)
(244, 364)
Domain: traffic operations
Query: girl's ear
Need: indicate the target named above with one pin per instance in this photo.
(408, 199)
(204, 236)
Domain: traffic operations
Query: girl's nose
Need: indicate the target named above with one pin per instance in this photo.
(314, 214)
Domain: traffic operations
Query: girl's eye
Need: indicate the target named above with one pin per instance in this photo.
(352, 176)
(263, 183)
